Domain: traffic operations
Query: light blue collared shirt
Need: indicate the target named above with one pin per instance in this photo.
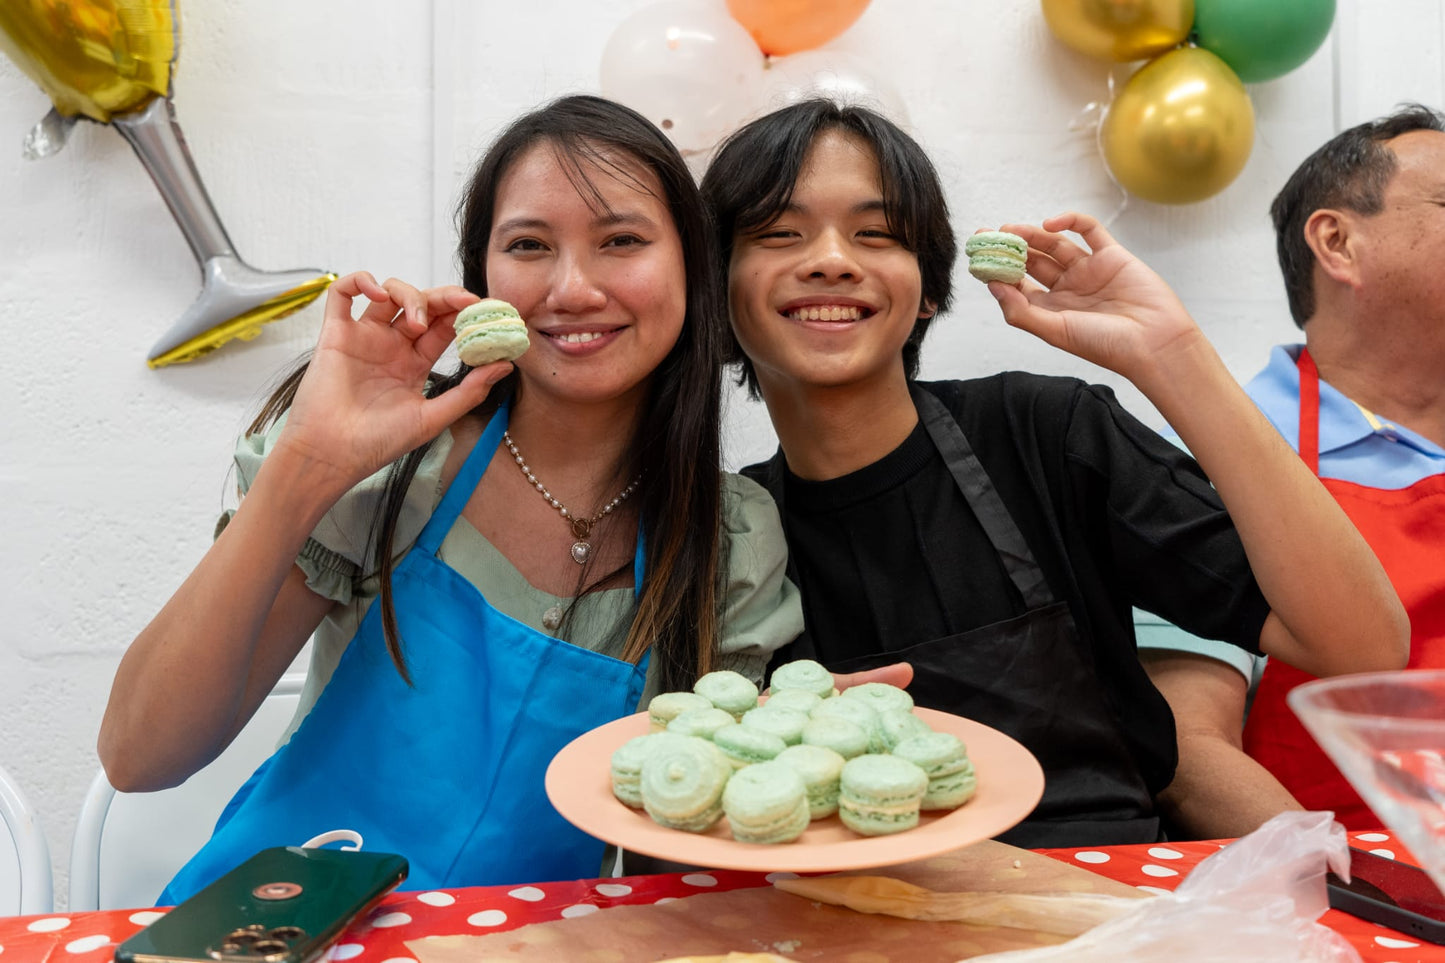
(1355, 446)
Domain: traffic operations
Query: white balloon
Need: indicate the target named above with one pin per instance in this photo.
(836, 76)
(688, 67)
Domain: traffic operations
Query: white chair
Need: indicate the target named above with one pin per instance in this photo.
(25, 883)
(127, 846)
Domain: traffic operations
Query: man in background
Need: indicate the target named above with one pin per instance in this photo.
(1361, 238)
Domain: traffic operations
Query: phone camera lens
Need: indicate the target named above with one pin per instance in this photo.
(288, 933)
(243, 936)
(270, 948)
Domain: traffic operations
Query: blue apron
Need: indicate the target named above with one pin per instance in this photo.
(448, 773)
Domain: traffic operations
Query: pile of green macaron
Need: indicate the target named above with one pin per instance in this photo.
(805, 753)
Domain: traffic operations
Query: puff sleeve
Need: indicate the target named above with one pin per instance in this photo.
(339, 557)
(762, 610)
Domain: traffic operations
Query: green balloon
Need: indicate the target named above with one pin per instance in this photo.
(1262, 39)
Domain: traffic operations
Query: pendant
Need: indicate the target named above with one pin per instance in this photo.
(552, 618)
(581, 549)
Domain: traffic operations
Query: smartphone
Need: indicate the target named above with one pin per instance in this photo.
(283, 905)
(1396, 894)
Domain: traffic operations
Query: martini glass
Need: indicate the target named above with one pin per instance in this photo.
(1386, 732)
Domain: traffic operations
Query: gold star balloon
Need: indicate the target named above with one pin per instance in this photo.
(110, 61)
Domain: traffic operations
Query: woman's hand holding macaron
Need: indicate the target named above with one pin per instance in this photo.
(361, 404)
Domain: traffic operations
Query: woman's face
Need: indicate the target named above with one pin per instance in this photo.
(826, 296)
(602, 287)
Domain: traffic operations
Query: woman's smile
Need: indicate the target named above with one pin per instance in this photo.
(581, 341)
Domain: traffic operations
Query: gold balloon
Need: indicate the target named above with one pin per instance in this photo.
(1120, 30)
(93, 57)
(110, 61)
(244, 326)
(1180, 130)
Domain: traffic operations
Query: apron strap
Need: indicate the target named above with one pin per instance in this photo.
(639, 564)
(1309, 411)
(462, 486)
(973, 481)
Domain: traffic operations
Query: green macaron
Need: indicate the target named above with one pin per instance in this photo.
(766, 803)
(490, 330)
(895, 725)
(843, 736)
(745, 746)
(786, 724)
(880, 695)
(997, 256)
(626, 769)
(821, 769)
(803, 674)
(856, 711)
(667, 706)
(880, 794)
(728, 690)
(800, 700)
(700, 722)
(681, 782)
(943, 758)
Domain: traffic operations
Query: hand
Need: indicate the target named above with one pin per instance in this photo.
(1102, 304)
(898, 674)
(360, 405)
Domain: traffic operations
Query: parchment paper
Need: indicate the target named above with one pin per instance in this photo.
(766, 920)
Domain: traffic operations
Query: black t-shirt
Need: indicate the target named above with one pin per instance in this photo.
(891, 555)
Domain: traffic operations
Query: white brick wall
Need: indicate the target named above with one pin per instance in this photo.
(334, 134)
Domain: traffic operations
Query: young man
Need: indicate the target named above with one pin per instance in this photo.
(994, 533)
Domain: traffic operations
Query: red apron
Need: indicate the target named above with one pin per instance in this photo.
(1406, 528)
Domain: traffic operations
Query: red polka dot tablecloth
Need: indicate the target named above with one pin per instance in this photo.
(1161, 867)
(381, 937)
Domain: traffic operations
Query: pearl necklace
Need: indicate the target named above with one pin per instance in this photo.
(581, 527)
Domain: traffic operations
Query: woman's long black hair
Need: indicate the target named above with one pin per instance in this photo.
(676, 449)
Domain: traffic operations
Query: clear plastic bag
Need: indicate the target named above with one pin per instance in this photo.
(1256, 899)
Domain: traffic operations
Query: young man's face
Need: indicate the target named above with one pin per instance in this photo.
(826, 296)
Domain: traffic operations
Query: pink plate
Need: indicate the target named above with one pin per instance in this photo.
(1010, 782)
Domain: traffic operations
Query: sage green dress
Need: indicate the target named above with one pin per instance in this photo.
(761, 608)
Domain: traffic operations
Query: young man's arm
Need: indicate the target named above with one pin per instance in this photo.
(1333, 610)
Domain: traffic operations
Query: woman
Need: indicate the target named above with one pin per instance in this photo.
(430, 717)
(994, 533)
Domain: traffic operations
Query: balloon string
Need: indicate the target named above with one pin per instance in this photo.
(1091, 117)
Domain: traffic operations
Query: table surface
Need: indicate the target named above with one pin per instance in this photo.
(382, 936)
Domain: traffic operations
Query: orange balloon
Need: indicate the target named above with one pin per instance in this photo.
(782, 27)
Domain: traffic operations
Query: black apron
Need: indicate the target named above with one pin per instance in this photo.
(1030, 676)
